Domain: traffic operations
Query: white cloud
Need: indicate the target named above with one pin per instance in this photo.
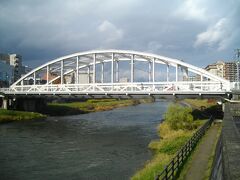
(192, 9)
(218, 34)
(38, 29)
(110, 32)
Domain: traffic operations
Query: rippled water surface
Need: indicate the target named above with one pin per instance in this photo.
(102, 145)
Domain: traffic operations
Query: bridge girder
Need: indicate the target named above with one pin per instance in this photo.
(77, 64)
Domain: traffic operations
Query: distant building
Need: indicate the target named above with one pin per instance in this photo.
(5, 58)
(53, 78)
(15, 61)
(226, 70)
(6, 74)
(230, 71)
(217, 69)
(25, 70)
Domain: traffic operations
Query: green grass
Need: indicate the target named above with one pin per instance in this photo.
(173, 145)
(91, 105)
(10, 115)
(164, 149)
(199, 103)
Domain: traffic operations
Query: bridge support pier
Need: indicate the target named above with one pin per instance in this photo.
(30, 104)
(4, 103)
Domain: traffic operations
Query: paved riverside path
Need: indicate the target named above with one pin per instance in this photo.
(199, 162)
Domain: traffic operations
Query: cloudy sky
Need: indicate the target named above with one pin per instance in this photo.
(197, 31)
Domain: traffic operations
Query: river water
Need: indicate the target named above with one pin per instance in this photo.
(102, 145)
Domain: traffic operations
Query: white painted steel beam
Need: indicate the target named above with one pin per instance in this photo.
(167, 72)
(132, 69)
(153, 70)
(115, 57)
(61, 72)
(112, 69)
(77, 70)
(102, 72)
(149, 71)
(117, 71)
(94, 68)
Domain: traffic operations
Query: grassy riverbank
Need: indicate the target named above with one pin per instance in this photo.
(9, 115)
(164, 149)
(179, 125)
(91, 105)
(70, 108)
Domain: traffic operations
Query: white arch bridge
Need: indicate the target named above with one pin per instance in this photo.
(117, 73)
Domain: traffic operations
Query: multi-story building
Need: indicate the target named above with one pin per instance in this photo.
(217, 69)
(230, 71)
(12, 62)
(15, 60)
(5, 58)
(227, 70)
(6, 74)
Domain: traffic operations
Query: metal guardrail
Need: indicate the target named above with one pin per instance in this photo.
(172, 168)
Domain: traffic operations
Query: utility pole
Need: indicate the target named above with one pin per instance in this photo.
(238, 63)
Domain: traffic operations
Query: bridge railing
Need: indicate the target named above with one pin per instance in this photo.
(171, 169)
(144, 87)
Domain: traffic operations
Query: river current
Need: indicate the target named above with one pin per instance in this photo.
(95, 146)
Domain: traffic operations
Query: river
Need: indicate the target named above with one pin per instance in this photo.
(102, 145)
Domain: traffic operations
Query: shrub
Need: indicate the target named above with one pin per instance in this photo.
(179, 117)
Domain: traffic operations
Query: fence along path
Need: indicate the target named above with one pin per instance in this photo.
(172, 168)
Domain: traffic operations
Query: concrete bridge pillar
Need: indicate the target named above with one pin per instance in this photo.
(30, 104)
(4, 103)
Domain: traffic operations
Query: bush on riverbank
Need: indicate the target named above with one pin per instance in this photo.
(10, 115)
(179, 117)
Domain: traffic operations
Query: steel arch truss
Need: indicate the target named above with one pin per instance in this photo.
(98, 72)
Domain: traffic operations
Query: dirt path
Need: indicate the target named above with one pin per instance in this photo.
(199, 162)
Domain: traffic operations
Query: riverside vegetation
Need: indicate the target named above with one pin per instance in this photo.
(91, 105)
(177, 128)
(10, 115)
(70, 108)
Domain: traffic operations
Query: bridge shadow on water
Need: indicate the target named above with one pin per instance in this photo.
(57, 110)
